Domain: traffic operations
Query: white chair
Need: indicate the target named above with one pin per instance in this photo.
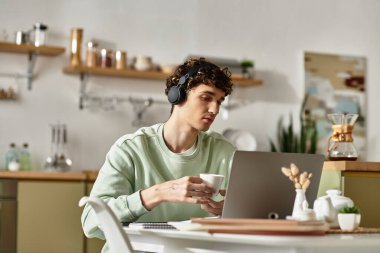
(117, 239)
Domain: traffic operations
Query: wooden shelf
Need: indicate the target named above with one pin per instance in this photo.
(98, 71)
(8, 47)
(130, 73)
(246, 82)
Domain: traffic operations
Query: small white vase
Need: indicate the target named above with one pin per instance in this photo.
(300, 203)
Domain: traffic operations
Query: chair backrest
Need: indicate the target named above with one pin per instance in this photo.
(117, 239)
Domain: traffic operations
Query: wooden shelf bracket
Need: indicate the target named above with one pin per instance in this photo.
(82, 89)
(29, 76)
(32, 52)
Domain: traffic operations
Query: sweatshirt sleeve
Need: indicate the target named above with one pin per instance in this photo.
(115, 184)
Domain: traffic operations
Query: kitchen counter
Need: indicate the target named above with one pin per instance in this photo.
(43, 196)
(90, 175)
(50, 176)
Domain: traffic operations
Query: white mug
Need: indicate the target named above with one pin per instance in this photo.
(212, 180)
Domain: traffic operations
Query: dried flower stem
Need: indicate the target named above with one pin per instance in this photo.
(300, 180)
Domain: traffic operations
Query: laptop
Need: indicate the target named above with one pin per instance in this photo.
(258, 189)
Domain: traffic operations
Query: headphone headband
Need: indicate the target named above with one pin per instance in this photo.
(194, 70)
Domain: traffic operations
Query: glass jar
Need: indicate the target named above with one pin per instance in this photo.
(39, 34)
(120, 59)
(22, 37)
(106, 58)
(91, 54)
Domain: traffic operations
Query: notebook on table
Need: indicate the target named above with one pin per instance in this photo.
(150, 225)
(258, 189)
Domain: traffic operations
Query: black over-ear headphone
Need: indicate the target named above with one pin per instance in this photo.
(176, 94)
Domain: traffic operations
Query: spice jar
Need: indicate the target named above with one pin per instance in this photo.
(76, 47)
(39, 34)
(105, 58)
(120, 59)
(91, 54)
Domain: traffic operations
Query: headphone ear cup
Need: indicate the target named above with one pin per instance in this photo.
(175, 95)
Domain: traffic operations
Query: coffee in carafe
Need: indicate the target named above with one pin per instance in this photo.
(340, 145)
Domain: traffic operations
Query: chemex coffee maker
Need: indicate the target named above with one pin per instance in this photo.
(340, 145)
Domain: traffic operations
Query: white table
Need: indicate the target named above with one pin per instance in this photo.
(188, 241)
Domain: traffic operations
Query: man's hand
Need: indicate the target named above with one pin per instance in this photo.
(214, 207)
(180, 190)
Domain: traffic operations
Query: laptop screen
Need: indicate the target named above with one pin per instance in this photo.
(258, 189)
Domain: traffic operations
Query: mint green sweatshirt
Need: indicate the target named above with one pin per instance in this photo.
(140, 160)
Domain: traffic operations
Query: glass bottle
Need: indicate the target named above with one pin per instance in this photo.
(76, 47)
(24, 156)
(11, 156)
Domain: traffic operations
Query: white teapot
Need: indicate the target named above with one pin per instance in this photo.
(327, 207)
(324, 209)
(338, 200)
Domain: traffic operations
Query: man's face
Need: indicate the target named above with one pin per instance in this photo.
(201, 107)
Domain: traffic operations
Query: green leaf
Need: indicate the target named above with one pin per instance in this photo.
(347, 209)
(272, 146)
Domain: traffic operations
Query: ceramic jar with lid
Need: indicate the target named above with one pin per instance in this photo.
(327, 207)
(143, 63)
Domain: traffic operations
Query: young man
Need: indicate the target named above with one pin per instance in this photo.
(153, 174)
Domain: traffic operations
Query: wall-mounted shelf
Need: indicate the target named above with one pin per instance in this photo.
(130, 73)
(32, 52)
(84, 72)
(8, 47)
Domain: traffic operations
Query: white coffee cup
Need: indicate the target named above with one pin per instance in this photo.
(212, 180)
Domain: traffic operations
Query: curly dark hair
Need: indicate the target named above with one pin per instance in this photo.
(210, 75)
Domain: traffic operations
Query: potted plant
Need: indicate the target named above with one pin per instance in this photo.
(349, 217)
(289, 141)
(247, 68)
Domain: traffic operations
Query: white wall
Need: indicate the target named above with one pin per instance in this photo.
(274, 33)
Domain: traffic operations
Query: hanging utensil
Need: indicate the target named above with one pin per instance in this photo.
(65, 162)
(50, 161)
